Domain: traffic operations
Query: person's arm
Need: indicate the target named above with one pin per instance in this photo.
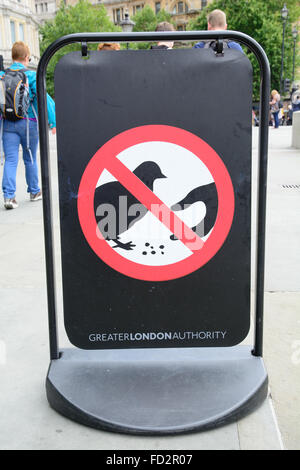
(199, 45)
(276, 99)
(235, 45)
(50, 102)
(51, 114)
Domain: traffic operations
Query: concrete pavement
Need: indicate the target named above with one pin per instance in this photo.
(282, 286)
(26, 420)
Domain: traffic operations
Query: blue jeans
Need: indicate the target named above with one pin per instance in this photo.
(14, 135)
(276, 119)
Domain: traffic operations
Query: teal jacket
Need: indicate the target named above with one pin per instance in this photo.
(31, 75)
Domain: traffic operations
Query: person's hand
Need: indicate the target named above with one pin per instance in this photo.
(53, 130)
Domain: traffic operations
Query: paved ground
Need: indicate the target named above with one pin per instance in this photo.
(282, 299)
(26, 420)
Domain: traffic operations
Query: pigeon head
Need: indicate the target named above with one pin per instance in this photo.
(148, 172)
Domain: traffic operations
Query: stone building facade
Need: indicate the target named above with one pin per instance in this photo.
(182, 11)
(46, 9)
(18, 23)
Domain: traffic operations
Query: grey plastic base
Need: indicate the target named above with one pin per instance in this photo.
(156, 391)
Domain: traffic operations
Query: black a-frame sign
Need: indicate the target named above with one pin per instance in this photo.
(154, 168)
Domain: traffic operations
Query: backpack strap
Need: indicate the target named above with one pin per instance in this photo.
(23, 69)
(27, 140)
(33, 110)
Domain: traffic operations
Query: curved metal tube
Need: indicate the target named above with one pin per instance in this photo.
(263, 155)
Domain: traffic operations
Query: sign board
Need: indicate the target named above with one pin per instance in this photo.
(154, 154)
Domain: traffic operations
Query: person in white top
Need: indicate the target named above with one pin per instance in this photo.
(274, 103)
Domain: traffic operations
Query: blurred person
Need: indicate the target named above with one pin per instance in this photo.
(296, 100)
(274, 107)
(164, 26)
(108, 46)
(216, 21)
(22, 131)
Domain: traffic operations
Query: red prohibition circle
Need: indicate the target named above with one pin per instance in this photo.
(161, 133)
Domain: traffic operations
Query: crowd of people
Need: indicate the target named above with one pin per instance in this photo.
(16, 130)
(281, 114)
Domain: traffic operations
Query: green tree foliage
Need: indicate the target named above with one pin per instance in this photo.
(83, 17)
(261, 20)
(147, 20)
(162, 15)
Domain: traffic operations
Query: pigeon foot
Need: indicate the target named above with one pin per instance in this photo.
(125, 246)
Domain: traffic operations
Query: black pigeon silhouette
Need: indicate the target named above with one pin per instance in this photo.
(207, 194)
(110, 193)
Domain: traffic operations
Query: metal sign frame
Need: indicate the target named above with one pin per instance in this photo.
(85, 38)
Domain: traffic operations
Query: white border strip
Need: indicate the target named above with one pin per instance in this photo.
(275, 421)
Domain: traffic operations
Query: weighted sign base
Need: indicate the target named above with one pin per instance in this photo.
(156, 391)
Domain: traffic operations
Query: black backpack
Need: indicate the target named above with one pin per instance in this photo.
(14, 95)
(213, 44)
(14, 101)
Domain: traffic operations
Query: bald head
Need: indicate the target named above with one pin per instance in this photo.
(216, 20)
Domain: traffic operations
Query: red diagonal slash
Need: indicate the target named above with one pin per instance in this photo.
(105, 158)
(146, 197)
